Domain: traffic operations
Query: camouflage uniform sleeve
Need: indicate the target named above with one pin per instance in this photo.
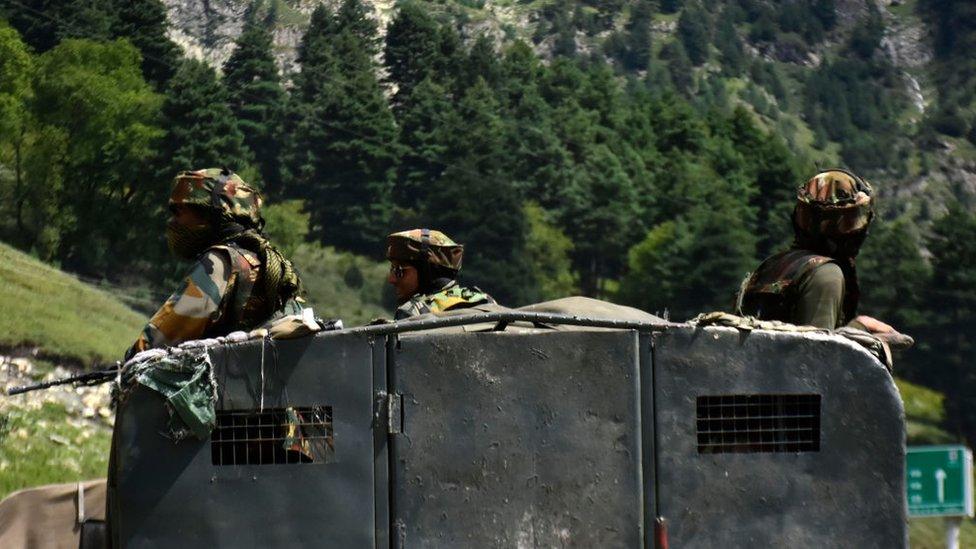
(821, 297)
(193, 308)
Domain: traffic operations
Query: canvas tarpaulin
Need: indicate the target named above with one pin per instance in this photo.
(185, 380)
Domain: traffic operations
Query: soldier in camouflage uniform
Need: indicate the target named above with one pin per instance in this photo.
(238, 281)
(424, 266)
(815, 282)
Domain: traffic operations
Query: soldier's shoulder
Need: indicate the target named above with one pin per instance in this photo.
(787, 266)
(827, 274)
(234, 256)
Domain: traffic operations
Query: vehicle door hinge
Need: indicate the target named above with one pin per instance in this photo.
(389, 412)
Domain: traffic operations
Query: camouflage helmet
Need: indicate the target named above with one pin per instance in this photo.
(221, 190)
(834, 203)
(425, 245)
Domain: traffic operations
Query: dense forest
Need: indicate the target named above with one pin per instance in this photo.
(651, 172)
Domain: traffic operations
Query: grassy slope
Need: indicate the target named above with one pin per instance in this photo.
(41, 444)
(42, 306)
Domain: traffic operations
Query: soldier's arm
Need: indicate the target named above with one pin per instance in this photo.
(820, 297)
(192, 309)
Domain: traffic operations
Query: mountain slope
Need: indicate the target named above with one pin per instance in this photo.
(62, 316)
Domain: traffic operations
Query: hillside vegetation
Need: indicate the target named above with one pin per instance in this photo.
(53, 311)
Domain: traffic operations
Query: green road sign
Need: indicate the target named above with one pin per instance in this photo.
(940, 481)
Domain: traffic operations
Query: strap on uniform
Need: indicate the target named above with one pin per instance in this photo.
(424, 243)
(218, 188)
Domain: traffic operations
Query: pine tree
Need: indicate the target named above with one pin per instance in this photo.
(257, 99)
(564, 44)
(201, 129)
(599, 217)
(766, 161)
(412, 50)
(315, 57)
(348, 179)
(826, 12)
(638, 41)
(893, 275)
(671, 6)
(537, 160)
(476, 203)
(730, 47)
(44, 23)
(143, 22)
(482, 61)
(356, 17)
(694, 262)
(316, 61)
(694, 33)
(679, 67)
(344, 150)
(425, 142)
(948, 340)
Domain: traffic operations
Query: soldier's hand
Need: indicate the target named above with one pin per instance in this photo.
(885, 332)
(873, 325)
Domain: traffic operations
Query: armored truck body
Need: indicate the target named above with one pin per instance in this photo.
(523, 430)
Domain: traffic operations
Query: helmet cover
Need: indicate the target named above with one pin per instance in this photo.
(834, 203)
(425, 245)
(220, 189)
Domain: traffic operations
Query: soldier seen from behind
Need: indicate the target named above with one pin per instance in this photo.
(238, 280)
(424, 266)
(815, 281)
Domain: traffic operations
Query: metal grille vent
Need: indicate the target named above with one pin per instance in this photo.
(275, 436)
(758, 423)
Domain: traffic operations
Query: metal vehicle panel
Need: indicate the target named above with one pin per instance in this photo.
(848, 491)
(528, 440)
(174, 495)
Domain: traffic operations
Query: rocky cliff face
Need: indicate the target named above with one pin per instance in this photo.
(206, 29)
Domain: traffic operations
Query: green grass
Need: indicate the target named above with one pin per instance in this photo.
(65, 317)
(42, 446)
(924, 414)
(929, 533)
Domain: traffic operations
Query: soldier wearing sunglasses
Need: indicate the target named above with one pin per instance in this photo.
(424, 266)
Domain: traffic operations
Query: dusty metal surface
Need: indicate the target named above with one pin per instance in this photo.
(849, 493)
(533, 438)
(519, 440)
(173, 496)
(502, 319)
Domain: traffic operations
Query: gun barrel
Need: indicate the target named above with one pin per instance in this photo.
(89, 378)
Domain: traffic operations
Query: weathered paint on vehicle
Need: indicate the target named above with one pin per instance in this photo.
(527, 437)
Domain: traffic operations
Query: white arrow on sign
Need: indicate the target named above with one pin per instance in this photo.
(940, 476)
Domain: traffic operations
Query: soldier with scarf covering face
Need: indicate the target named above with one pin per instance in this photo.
(424, 266)
(815, 281)
(238, 281)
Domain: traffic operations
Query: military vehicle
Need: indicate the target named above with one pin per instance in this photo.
(573, 423)
(523, 428)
